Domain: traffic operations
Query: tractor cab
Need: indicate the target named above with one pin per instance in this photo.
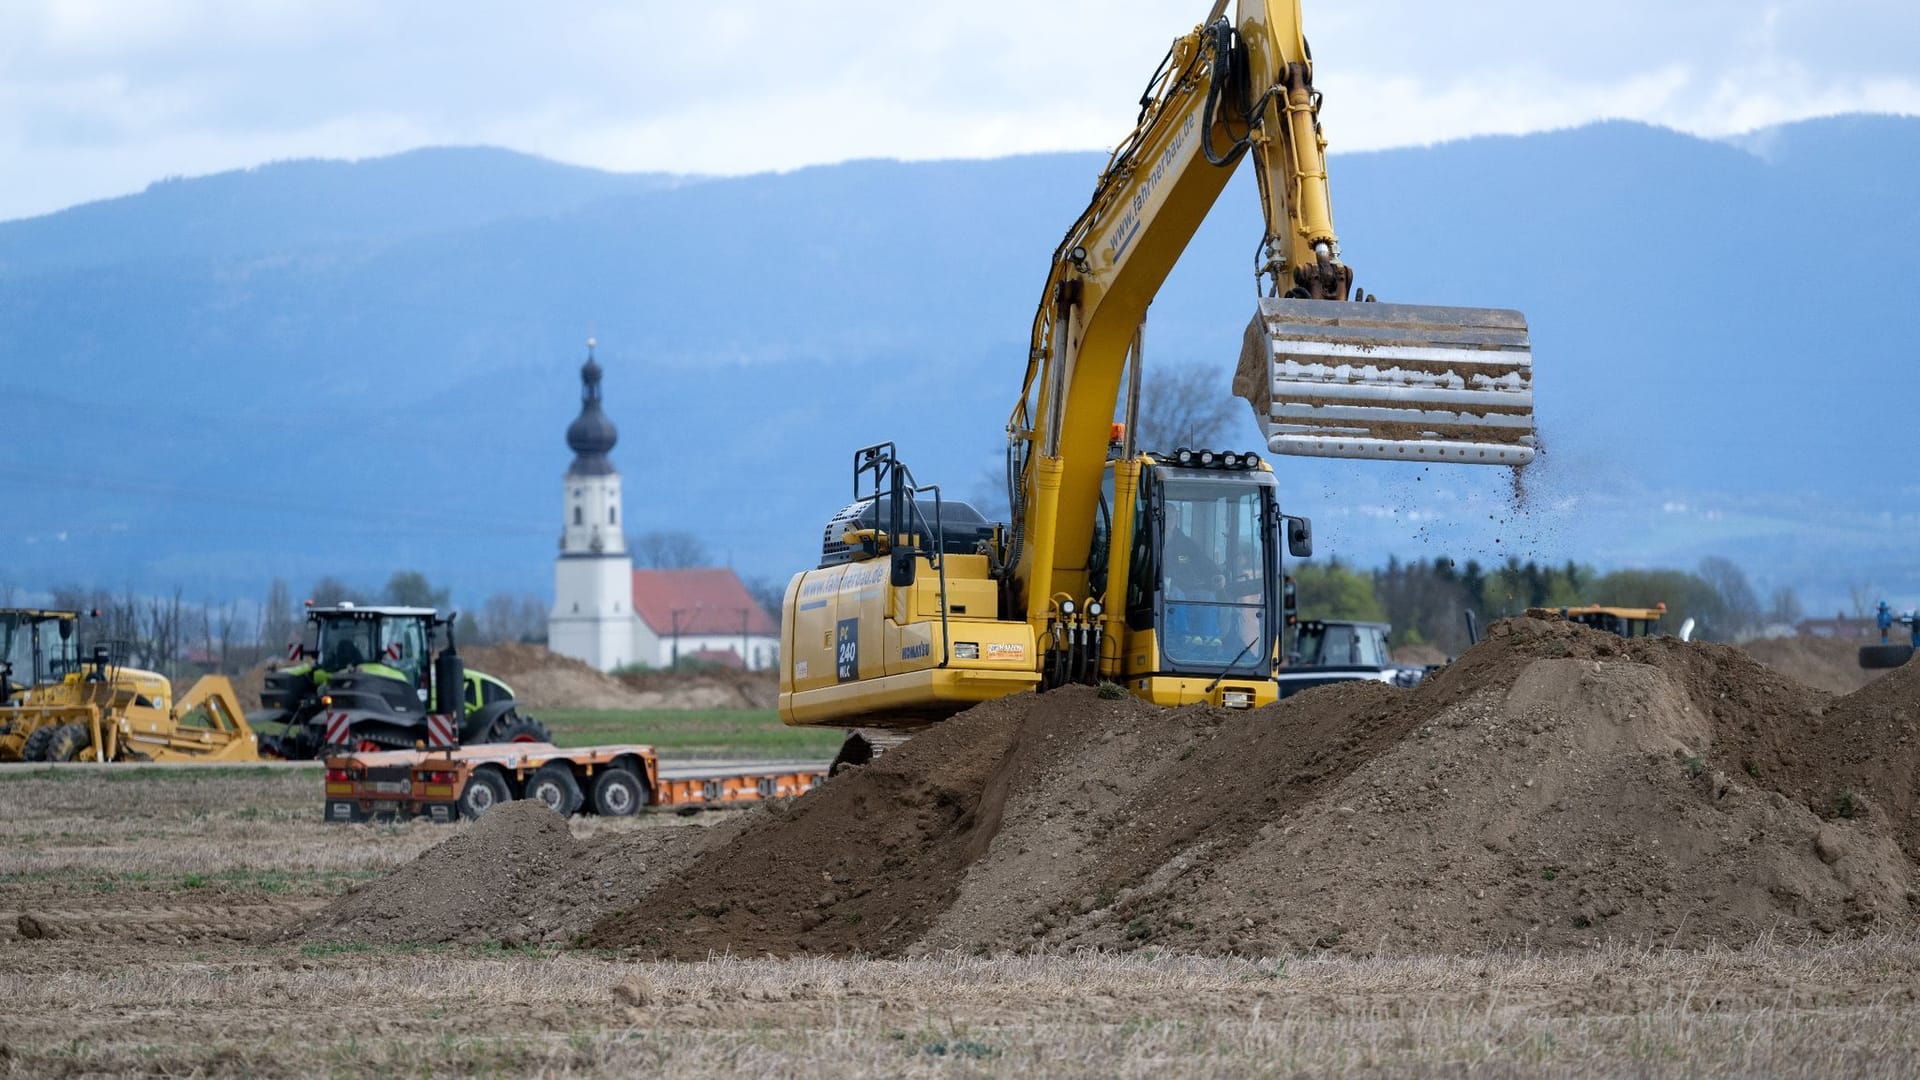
(389, 641)
(37, 648)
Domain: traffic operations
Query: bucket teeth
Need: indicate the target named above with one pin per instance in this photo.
(1393, 381)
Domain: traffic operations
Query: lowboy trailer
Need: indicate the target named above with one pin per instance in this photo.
(613, 781)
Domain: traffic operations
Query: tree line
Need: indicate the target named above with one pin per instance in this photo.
(1427, 600)
(177, 637)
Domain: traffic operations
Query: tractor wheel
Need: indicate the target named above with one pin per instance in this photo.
(554, 785)
(70, 742)
(516, 728)
(1884, 656)
(35, 748)
(485, 789)
(618, 792)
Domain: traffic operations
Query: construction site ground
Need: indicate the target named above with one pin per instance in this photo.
(1567, 853)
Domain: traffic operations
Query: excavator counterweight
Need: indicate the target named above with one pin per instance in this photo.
(1401, 382)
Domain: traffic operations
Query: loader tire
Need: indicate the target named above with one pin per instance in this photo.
(618, 792)
(485, 789)
(553, 784)
(70, 742)
(35, 747)
(1884, 656)
(513, 727)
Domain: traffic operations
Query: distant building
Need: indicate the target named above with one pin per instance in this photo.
(704, 615)
(592, 618)
(610, 615)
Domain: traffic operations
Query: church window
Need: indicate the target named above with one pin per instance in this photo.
(613, 515)
(579, 516)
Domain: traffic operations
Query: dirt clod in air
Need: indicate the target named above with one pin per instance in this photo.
(1554, 788)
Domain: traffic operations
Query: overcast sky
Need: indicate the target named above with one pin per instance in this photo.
(99, 97)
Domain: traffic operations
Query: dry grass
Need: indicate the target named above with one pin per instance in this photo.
(1770, 1010)
(129, 993)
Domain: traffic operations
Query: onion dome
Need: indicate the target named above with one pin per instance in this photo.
(591, 435)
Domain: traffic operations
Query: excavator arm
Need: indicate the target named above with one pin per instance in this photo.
(1326, 375)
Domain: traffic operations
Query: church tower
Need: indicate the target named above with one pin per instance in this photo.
(592, 618)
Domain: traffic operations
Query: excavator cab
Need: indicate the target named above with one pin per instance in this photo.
(1205, 568)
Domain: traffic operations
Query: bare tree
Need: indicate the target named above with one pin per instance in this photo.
(278, 623)
(1741, 604)
(410, 588)
(508, 618)
(769, 592)
(331, 590)
(1184, 405)
(1785, 607)
(668, 550)
(165, 627)
(1860, 595)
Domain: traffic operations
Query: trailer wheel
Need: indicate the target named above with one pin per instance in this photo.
(69, 742)
(485, 789)
(618, 792)
(1884, 656)
(554, 785)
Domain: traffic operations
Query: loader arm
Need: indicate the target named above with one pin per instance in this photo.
(1228, 91)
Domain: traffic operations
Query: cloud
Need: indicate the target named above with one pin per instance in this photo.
(98, 97)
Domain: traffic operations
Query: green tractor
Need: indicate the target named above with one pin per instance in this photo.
(365, 678)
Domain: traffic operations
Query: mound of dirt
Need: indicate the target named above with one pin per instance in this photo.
(1830, 664)
(1555, 787)
(546, 680)
(713, 688)
(516, 876)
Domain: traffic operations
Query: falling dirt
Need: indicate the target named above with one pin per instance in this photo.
(1554, 788)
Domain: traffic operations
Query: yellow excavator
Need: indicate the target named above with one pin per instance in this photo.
(1156, 569)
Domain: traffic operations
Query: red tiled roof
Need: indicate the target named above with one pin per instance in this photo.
(709, 601)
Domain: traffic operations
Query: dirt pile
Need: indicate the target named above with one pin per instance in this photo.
(1830, 664)
(1555, 787)
(711, 688)
(516, 876)
(546, 680)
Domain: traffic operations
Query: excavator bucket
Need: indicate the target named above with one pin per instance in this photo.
(1402, 382)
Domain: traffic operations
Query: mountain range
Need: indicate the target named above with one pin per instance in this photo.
(323, 367)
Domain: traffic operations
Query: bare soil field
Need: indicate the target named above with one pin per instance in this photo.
(1567, 854)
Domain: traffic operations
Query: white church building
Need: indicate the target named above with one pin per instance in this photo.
(610, 615)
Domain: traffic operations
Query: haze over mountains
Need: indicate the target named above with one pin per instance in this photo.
(326, 368)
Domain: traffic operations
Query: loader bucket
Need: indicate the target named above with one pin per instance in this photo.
(1329, 378)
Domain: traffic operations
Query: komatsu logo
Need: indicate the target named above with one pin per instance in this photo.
(916, 652)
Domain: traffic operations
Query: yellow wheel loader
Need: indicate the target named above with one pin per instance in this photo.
(101, 710)
(1154, 568)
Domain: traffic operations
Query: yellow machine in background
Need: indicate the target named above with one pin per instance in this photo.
(1155, 568)
(56, 708)
(1628, 622)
